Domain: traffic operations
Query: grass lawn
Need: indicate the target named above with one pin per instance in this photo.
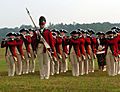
(94, 82)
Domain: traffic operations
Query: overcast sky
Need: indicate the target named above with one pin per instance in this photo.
(13, 13)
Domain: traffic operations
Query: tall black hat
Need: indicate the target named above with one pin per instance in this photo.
(42, 20)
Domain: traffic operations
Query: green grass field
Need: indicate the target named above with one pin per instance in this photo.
(94, 82)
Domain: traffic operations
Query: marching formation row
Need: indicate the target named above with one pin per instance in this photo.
(53, 49)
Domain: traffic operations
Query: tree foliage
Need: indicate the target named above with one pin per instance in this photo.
(69, 27)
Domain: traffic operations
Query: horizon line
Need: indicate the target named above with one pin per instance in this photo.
(60, 23)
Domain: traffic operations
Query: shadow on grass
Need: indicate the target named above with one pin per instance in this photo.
(67, 74)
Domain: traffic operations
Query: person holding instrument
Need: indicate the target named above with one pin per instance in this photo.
(20, 53)
(11, 53)
(26, 49)
(65, 42)
(32, 50)
(101, 50)
(74, 52)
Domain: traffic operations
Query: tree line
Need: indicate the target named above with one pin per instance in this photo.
(69, 27)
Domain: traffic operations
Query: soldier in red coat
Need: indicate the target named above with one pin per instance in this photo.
(74, 51)
(26, 49)
(118, 37)
(20, 53)
(83, 63)
(11, 53)
(32, 50)
(111, 49)
(85, 50)
(54, 60)
(65, 42)
(59, 51)
(43, 52)
(93, 48)
(33, 41)
(88, 50)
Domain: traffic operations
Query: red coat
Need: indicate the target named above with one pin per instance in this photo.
(28, 41)
(12, 46)
(93, 44)
(54, 41)
(19, 46)
(82, 45)
(34, 41)
(118, 37)
(58, 44)
(65, 44)
(113, 43)
(75, 43)
(49, 39)
(87, 45)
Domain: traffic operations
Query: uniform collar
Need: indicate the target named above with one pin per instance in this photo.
(42, 30)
